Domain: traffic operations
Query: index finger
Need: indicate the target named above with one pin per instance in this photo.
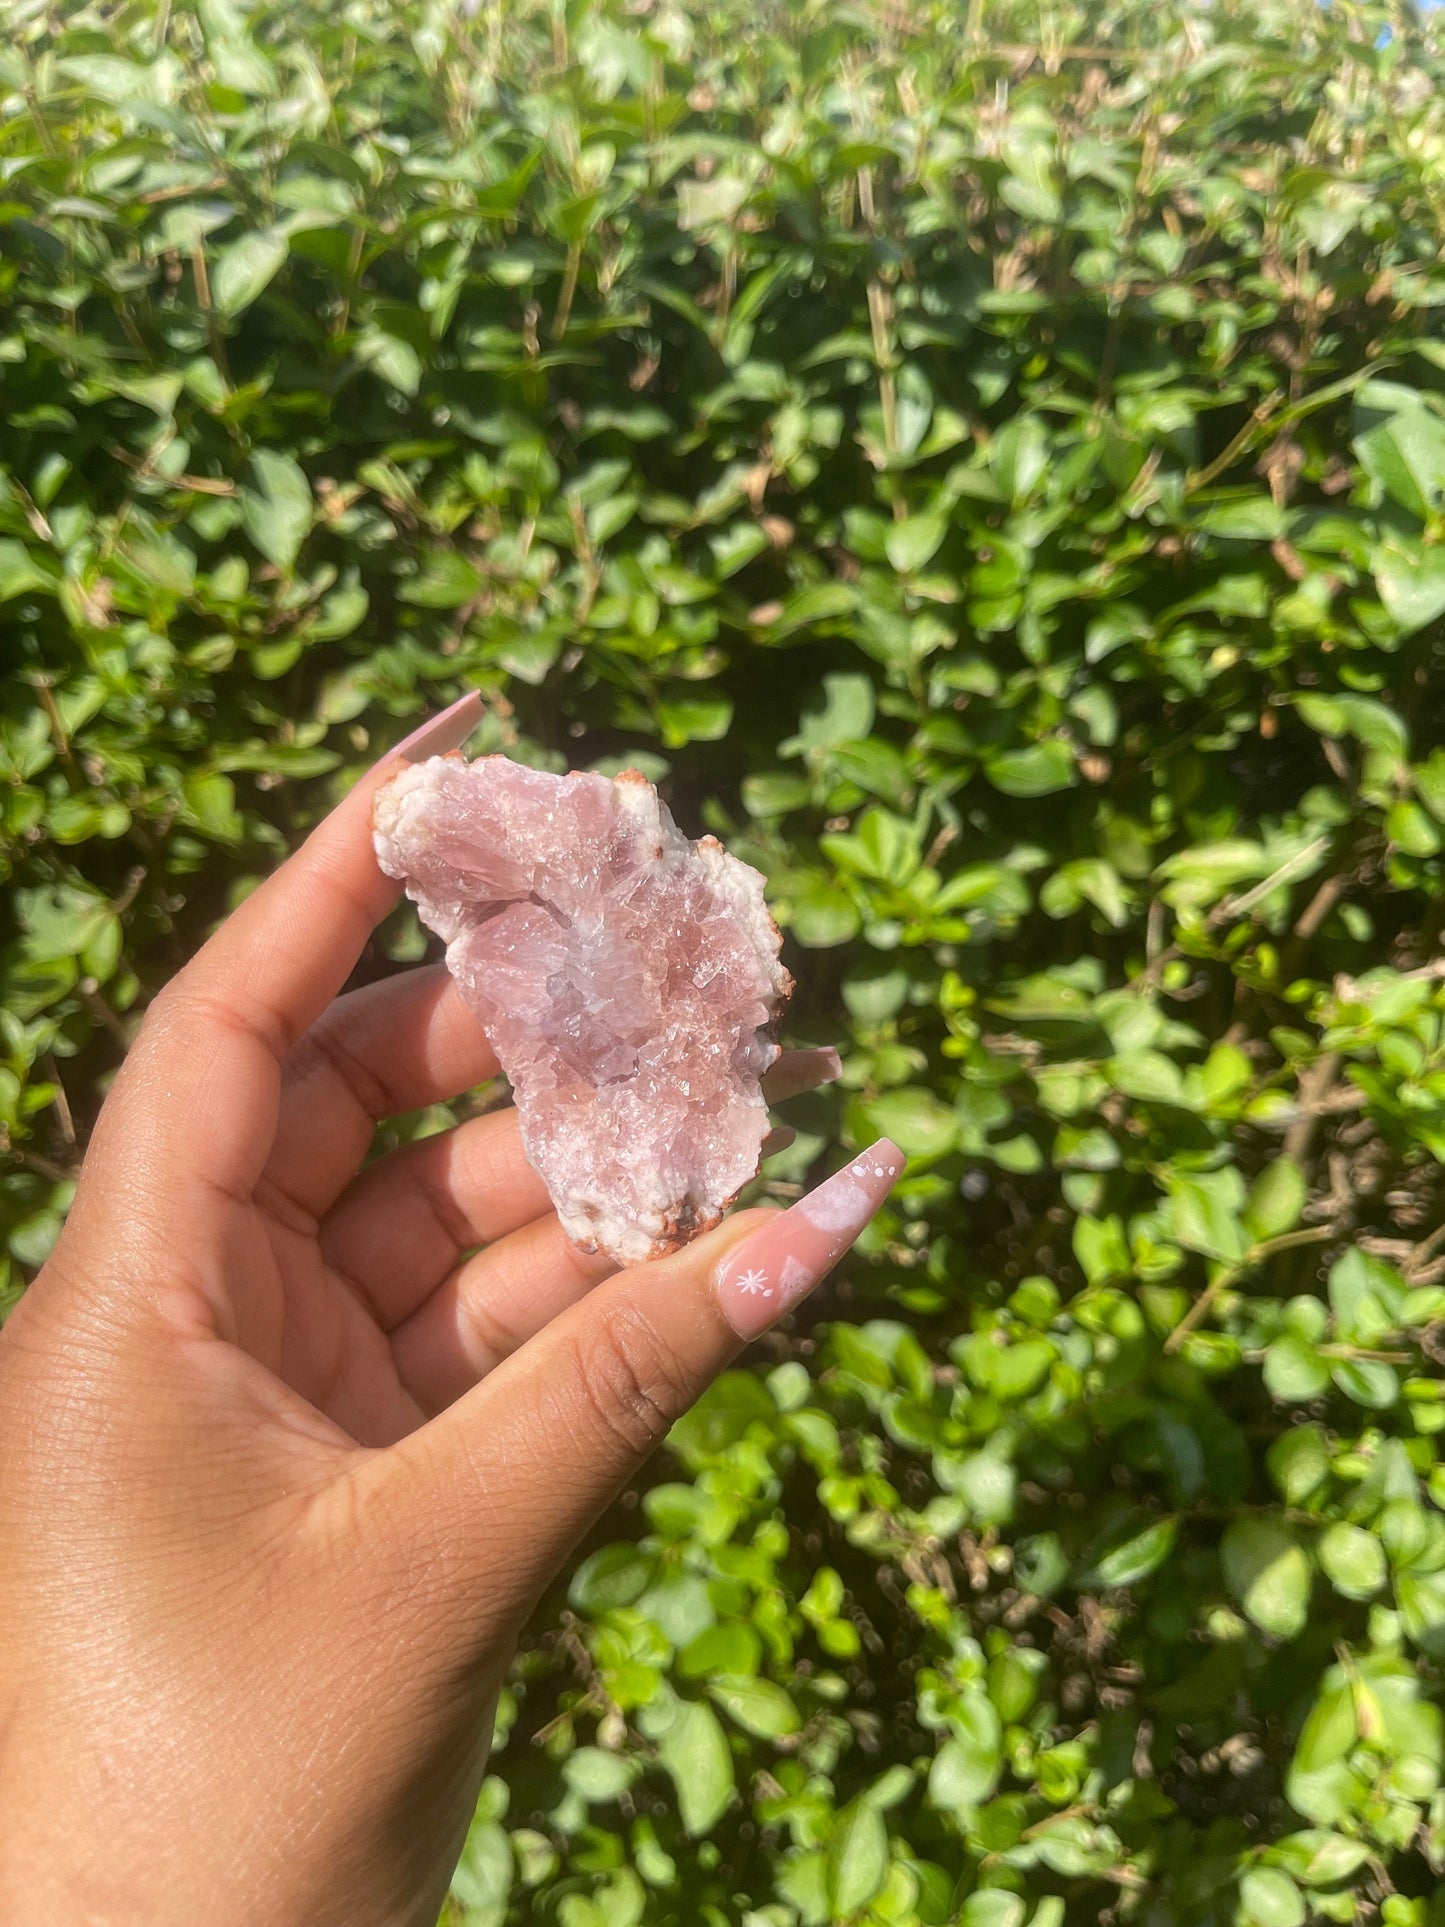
(198, 1094)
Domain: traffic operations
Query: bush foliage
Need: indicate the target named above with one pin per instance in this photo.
(989, 465)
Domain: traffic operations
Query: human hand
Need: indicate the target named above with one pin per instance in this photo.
(282, 1468)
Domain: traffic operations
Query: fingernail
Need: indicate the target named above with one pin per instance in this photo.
(767, 1274)
(778, 1139)
(447, 730)
(797, 1071)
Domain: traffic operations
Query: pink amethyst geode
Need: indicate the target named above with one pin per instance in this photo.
(627, 979)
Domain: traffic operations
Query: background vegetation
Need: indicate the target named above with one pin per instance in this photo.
(988, 465)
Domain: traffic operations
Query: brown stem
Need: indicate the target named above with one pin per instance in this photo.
(353, 269)
(1287, 1241)
(213, 320)
(42, 1166)
(60, 1100)
(569, 289)
(1315, 1086)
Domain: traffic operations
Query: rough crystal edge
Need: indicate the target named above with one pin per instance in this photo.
(687, 1223)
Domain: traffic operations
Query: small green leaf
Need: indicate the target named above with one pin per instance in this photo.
(612, 1576)
(1269, 1898)
(1039, 770)
(389, 356)
(758, 1706)
(1276, 1199)
(277, 512)
(1368, 1381)
(599, 1776)
(446, 581)
(914, 541)
(694, 1749)
(857, 1862)
(966, 1767)
(245, 270)
(1319, 1858)
(823, 915)
(20, 571)
(483, 1878)
(1353, 1560)
(1299, 1462)
(1268, 1572)
(1135, 1558)
(1411, 582)
(915, 1120)
(1293, 1368)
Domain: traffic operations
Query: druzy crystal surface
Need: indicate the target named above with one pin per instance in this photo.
(627, 978)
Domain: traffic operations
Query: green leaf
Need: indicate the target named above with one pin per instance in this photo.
(697, 719)
(1353, 1560)
(446, 581)
(915, 540)
(1411, 582)
(277, 511)
(1268, 1572)
(993, 1907)
(758, 1706)
(1421, 1600)
(1207, 1212)
(20, 571)
(857, 1863)
(208, 803)
(1331, 1728)
(822, 915)
(483, 1878)
(1318, 1858)
(1299, 1462)
(915, 1120)
(845, 717)
(1405, 455)
(612, 1576)
(1246, 518)
(1135, 1558)
(966, 1767)
(1269, 1898)
(1147, 1075)
(245, 269)
(388, 355)
(694, 1750)
(597, 1775)
(1039, 770)
(1294, 1369)
(1368, 1382)
(1276, 1199)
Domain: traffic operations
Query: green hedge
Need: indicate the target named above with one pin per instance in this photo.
(989, 467)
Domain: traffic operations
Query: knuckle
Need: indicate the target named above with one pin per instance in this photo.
(633, 1382)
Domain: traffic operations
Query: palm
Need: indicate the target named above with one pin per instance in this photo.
(357, 1291)
(321, 1338)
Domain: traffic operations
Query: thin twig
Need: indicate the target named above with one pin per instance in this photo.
(60, 1100)
(1313, 1234)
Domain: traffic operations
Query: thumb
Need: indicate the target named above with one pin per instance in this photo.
(504, 1482)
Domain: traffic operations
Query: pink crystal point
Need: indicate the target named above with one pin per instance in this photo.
(627, 978)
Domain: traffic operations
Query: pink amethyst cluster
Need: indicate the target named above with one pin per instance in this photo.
(628, 980)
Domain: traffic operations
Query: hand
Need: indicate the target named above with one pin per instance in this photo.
(282, 1469)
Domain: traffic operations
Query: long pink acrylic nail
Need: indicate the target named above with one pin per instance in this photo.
(767, 1274)
(447, 730)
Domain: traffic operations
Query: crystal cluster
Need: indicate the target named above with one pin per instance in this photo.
(628, 980)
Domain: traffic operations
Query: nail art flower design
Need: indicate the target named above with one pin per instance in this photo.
(784, 1258)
